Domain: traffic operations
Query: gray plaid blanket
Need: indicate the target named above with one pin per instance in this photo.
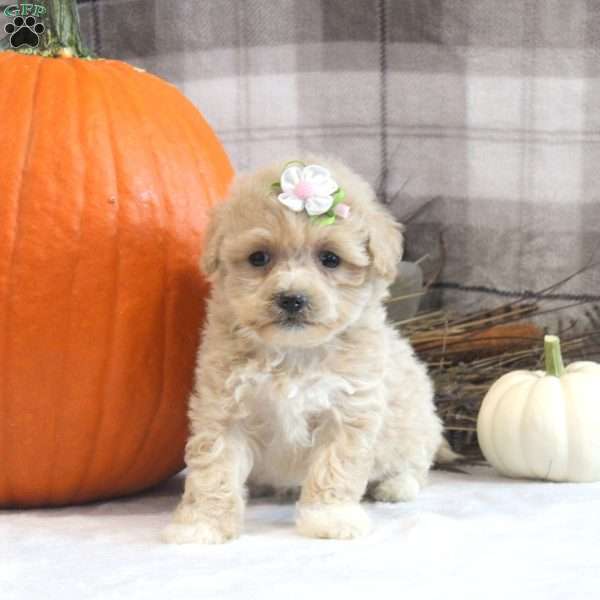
(478, 121)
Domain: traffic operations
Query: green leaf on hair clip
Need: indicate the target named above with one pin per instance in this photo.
(338, 196)
(326, 219)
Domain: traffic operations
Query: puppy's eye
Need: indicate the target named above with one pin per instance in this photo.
(259, 259)
(329, 259)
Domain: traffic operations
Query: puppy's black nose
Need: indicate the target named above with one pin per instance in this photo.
(291, 303)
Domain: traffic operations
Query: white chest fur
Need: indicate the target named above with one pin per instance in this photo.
(283, 396)
(284, 400)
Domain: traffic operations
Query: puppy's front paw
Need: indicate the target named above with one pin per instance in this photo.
(401, 488)
(196, 533)
(335, 521)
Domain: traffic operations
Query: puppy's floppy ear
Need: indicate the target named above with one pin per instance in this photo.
(385, 242)
(213, 238)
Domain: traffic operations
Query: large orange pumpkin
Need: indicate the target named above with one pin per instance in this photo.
(106, 177)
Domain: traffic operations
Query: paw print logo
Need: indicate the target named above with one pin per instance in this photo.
(24, 32)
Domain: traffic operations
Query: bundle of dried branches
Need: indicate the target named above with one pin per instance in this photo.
(466, 354)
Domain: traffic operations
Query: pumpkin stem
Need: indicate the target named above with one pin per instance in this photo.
(553, 356)
(62, 34)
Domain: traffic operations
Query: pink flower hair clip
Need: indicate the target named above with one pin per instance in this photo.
(312, 189)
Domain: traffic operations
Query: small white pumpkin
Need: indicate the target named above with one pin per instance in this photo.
(544, 425)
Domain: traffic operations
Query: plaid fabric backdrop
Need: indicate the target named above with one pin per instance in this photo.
(477, 120)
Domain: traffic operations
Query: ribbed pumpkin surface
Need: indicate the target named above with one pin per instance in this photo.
(106, 177)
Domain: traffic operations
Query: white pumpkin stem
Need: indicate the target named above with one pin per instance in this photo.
(553, 356)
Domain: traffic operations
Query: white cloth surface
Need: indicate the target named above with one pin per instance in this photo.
(473, 535)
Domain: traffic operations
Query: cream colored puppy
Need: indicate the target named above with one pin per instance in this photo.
(300, 380)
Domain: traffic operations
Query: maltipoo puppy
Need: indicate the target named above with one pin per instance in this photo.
(300, 380)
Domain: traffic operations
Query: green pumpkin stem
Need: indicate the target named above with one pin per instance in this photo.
(62, 36)
(553, 356)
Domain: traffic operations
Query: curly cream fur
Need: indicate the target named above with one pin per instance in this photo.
(334, 406)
